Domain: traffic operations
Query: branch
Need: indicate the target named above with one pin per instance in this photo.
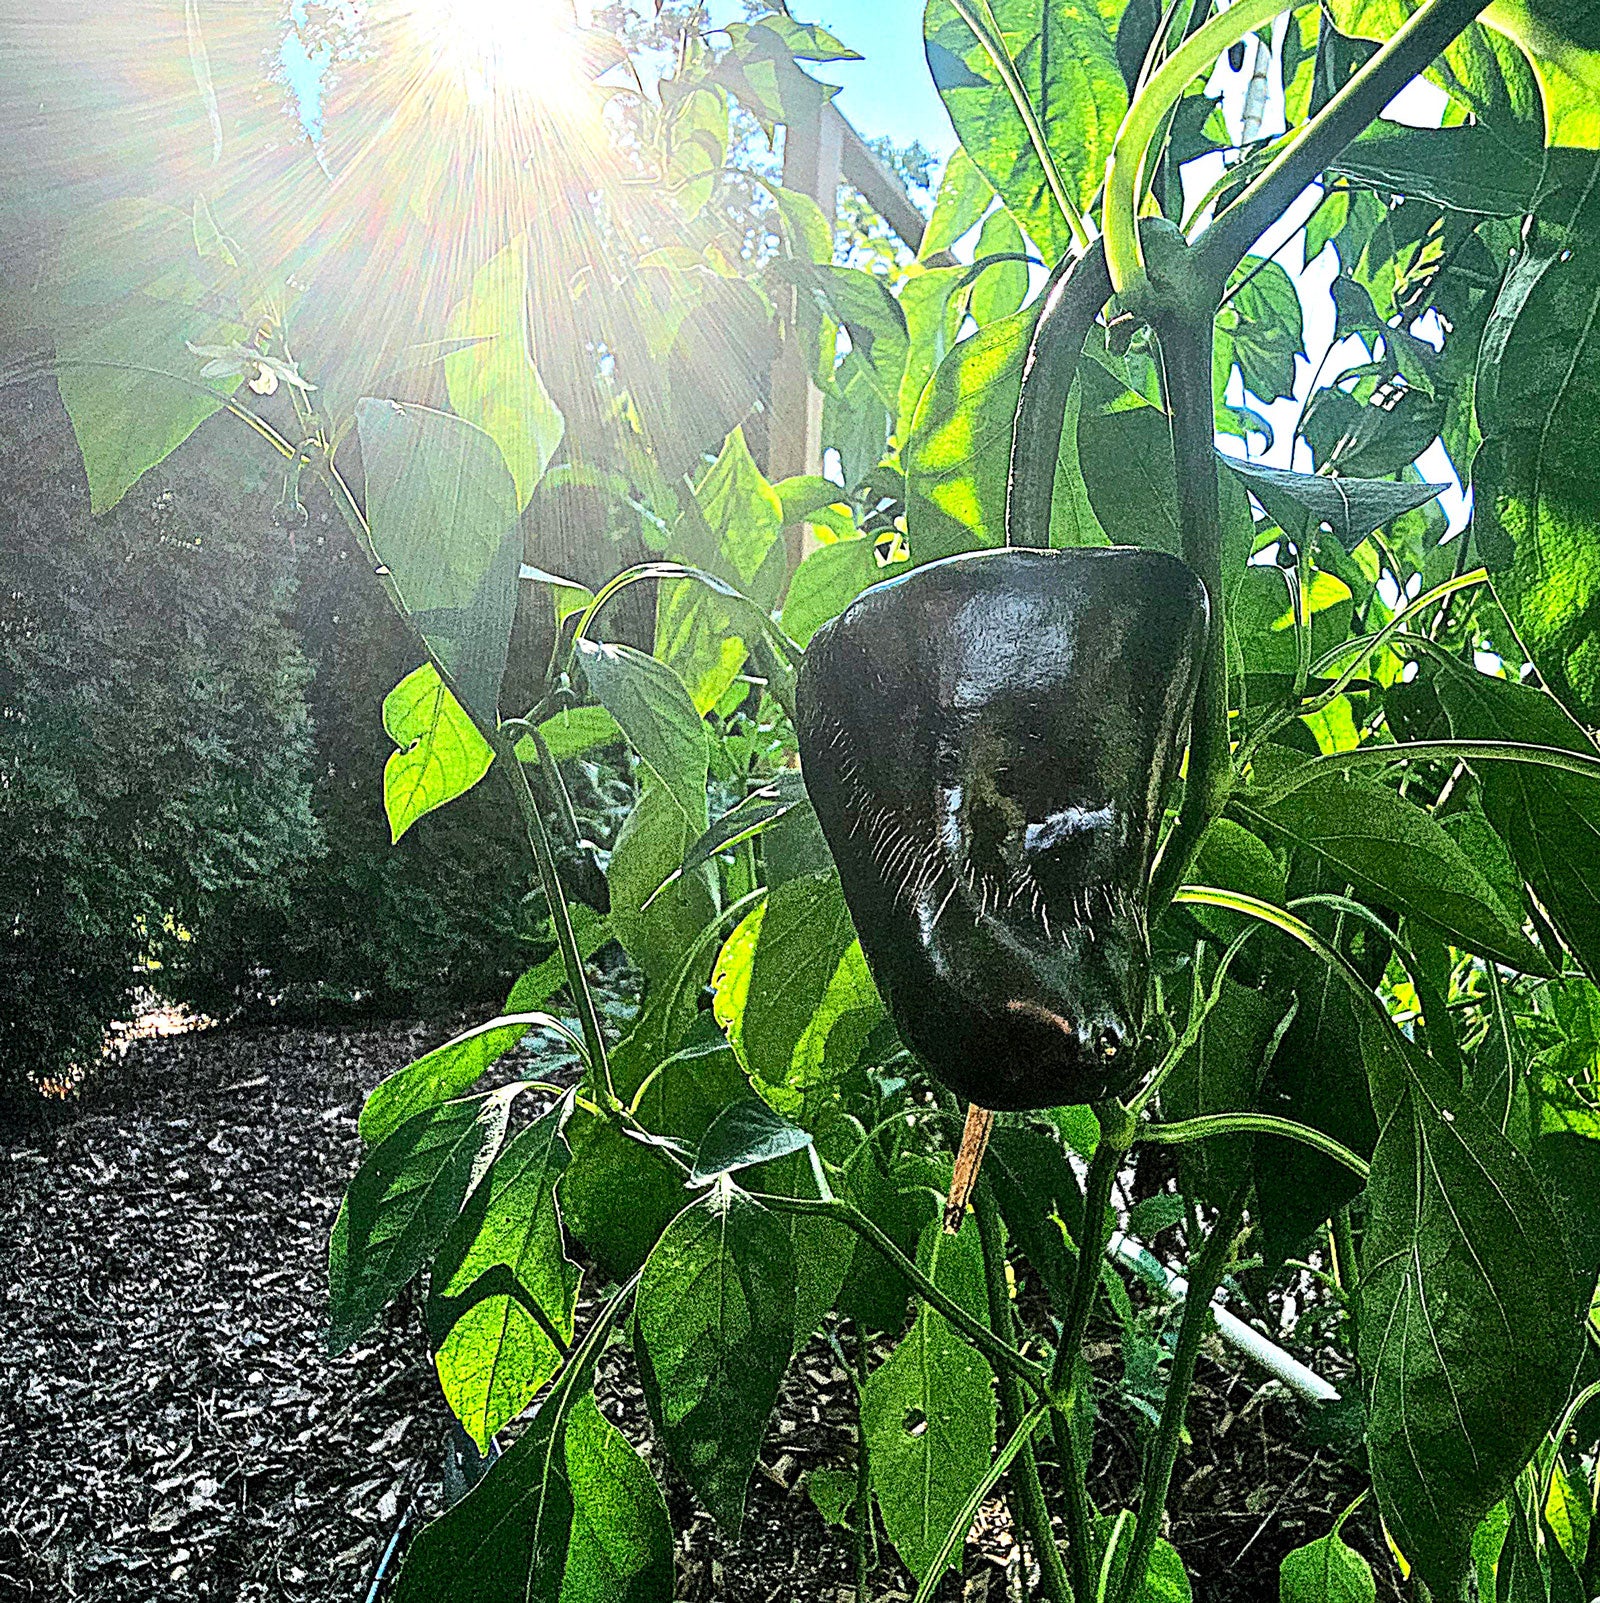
(1315, 144)
(1186, 364)
(974, 1330)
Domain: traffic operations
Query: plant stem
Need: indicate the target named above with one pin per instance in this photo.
(1064, 1372)
(1204, 1279)
(1211, 1124)
(1029, 1511)
(1071, 302)
(1347, 1267)
(550, 877)
(1144, 121)
(998, 1352)
(1423, 36)
(1186, 364)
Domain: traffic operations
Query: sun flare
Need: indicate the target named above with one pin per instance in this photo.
(528, 49)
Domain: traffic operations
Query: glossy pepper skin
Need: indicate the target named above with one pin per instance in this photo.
(989, 741)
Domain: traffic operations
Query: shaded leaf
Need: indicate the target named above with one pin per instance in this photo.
(401, 1203)
(654, 711)
(443, 513)
(928, 1411)
(1351, 509)
(1468, 1329)
(742, 1134)
(713, 1333)
(1394, 851)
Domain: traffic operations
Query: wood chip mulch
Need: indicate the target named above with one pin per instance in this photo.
(172, 1427)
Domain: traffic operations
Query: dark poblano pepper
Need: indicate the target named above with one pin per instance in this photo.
(989, 742)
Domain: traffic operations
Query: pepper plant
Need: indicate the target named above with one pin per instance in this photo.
(1346, 960)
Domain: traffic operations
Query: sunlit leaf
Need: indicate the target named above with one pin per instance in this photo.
(441, 753)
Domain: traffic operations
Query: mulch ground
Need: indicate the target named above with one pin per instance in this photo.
(171, 1426)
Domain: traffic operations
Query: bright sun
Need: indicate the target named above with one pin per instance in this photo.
(498, 48)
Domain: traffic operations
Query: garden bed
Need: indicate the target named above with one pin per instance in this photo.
(175, 1427)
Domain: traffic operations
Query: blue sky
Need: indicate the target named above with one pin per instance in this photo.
(891, 92)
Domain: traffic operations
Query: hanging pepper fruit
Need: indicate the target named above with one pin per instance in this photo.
(989, 742)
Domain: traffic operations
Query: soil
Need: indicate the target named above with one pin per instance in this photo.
(172, 1426)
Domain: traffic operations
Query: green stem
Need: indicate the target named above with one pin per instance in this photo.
(999, 1353)
(1212, 1124)
(550, 877)
(1029, 1511)
(1071, 302)
(1315, 144)
(1204, 1279)
(1144, 121)
(1186, 363)
(1513, 751)
(1347, 1267)
(995, 48)
(1064, 1372)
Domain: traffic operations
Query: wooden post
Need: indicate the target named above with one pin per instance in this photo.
(812, 158)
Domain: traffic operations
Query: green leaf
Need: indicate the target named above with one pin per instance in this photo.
(1066, 58)
(999, 289)
(1469, 168)
(439, 1075)
(1550, 820)
(804, 933)
(128, 296)
(572, 732)
(535, 986)
(733, 532)
(1351, 509)
(1233, 859)
(1260, 328)
(401, 1203)
(616, 1196)
(441, 753)
(1393, 850)
(1468, 1320)
(508, 1539)
(833, 1494)
(443, 512)
(825, 583)
(874, 1293)
(713, 1332)
(935, 307)
(1222, 1073)
(654, 711)
(1164, 1577)
(959, 454)
(928, 1411)
(1317, 1078)
(963, 197)
(742, 1134)
(805, 41)
(1040, 1200)
(652, 842)
(759, 811)
(824, 1247)
(621, 1545)
(1326, 1571)
(1536, 479)
(493, 381)
(503, 1259)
